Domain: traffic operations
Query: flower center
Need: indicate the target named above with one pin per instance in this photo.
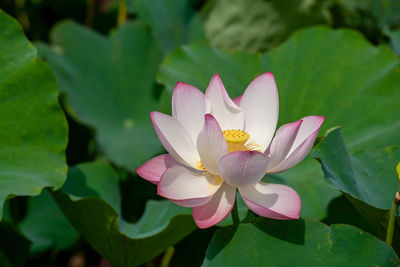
(236, 140)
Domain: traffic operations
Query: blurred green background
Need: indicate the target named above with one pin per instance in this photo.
(115, 61)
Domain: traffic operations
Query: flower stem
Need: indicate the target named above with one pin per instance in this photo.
(122, 12)
(393, 212)
(391, 223)
(235, 214)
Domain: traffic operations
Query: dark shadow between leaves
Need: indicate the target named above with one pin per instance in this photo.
(292, 231)
(220, 239)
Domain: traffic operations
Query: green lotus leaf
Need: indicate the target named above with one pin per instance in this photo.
(33, 128)
(90, 201)
(109, 82)
(297, 242)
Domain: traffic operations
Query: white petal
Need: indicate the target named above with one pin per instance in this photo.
(309, 125)
(211, 144)
(302, 144)
(175, 139)
(188, 107)
(224, 110)
(260, 104)
(153, 169)
(282, 143)
(215, 210)
(188, 188)
(241, 168)
(272, 200)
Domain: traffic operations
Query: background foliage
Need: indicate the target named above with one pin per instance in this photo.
(76, 90)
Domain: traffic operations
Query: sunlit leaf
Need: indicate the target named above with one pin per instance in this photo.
(33, 129)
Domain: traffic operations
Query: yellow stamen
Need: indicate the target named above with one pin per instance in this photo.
(236, 140)
(200, 165)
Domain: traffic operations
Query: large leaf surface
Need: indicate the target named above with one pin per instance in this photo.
(338, 74)
(109, 82)
(33, 129)
(90, 201)
(368, 178)
(299, 243)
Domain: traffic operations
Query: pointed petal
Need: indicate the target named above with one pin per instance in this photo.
(186, 187)
(175, 139)
(282, 142)
(211, 144)
(242, 168)
(189, 107)
(237, 100)
(153, 169)
(260, 105)
(304, 141)
(272, 200)
(308, 127)
(225, 111)
(217, 208)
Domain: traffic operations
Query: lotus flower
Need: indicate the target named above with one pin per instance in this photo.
(216, 144)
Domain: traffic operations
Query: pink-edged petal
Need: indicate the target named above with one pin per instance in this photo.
(153, 169)
(242, 168)
(237, 100)
(217, 208)
(302, 144)
(225, 111)
(260, 105)
(308, 127)
(189, 107)
(272, 200)
(186, 187)
(211, 144)
(282, 143)
(175, 139)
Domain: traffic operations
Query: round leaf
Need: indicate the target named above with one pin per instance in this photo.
(33, 129)
(109, 82)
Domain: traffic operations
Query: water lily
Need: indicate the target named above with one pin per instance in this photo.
(216, 144)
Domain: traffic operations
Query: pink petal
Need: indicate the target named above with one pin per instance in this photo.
(175, 139)
(225, 111)
(187, 187)
(274, 201)
(153, 169)
(302, 144)
(217, 208)
(241, 168)
(282, 142)
(211, 144)
(237, 100)
(188, 107)
(260, 104)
